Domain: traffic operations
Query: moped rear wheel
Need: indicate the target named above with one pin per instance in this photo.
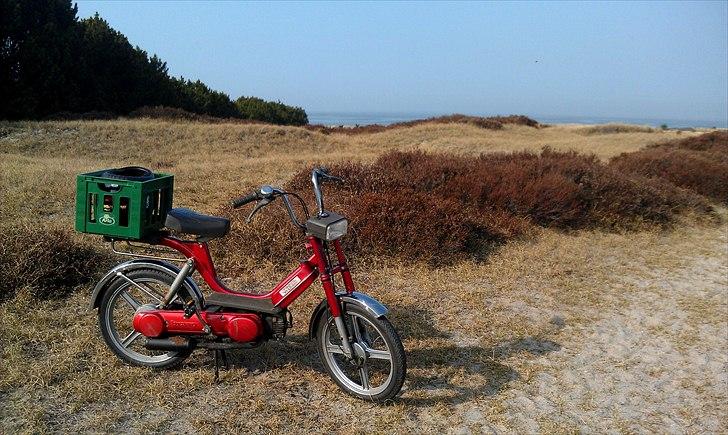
(117, 310)
(377, 369)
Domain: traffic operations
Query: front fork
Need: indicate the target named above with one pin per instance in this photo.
(325, 273)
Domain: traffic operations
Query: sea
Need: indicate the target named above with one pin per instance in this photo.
(386, 118)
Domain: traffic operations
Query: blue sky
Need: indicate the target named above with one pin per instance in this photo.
(642, 60)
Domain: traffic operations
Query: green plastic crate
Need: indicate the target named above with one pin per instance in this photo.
(122, 209)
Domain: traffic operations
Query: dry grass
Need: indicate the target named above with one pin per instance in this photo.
(486, 341)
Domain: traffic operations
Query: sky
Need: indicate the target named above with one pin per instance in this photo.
(640, 60)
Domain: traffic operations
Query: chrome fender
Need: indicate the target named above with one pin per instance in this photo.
(362, 300)
(162, 266)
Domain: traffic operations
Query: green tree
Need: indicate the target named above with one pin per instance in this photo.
(118, 77)
(39, 52)
(51, 62)
(255, 108)
(198, 98)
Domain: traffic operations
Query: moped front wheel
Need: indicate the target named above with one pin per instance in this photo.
(117, 310)
(377, 368)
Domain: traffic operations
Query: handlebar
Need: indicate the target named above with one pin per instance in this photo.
(266, 194)
(237, 203)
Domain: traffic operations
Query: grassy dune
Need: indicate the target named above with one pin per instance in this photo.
(557, 332)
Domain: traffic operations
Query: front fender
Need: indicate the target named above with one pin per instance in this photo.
(163, 266)
(362, 300)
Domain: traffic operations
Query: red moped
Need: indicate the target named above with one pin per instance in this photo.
(152, 313)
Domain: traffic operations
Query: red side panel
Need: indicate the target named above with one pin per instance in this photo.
(293, 285)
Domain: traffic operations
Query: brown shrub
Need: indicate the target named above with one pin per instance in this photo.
(715, 141)
(48, 261)
(616, 128)
(420, 226)
(439, 208)
(698, 163)
(491, 123)
(517, 120)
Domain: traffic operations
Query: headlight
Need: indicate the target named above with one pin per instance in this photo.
(330, 227)
(337, 229)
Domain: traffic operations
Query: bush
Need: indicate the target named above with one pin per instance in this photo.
(48, 261)
(439, 208)
(615, 128)
(554, 189)
(491, 123)
(698, 163)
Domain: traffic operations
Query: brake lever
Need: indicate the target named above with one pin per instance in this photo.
(335, 179)
(258, 205)
(324, 173)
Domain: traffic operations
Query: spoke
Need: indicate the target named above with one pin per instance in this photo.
(357, 328)
(138, 286)
(378, 354)
(130, 338)
(364, 374)
(332, 348)
(379, 338)
(130, 300)
(151, 293)
(367, 338)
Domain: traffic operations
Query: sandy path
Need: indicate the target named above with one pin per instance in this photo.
(657, 361)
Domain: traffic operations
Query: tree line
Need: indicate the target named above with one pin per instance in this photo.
(52, 62)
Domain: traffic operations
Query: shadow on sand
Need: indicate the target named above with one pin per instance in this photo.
(435, 372)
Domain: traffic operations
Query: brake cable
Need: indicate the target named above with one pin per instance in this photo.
(300, 200)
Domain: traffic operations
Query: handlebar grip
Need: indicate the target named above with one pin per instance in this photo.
(244, 200)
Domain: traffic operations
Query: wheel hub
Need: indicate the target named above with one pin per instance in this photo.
(359, 355)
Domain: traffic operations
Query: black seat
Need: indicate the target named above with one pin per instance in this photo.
(187, 221)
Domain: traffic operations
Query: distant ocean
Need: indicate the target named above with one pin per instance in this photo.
(383, 118)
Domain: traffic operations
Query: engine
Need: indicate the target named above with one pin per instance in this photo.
(240, 327)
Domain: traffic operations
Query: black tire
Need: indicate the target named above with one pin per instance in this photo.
(131, 173)
(139, 356)
(333, 362)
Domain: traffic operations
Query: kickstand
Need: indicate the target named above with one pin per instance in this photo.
(220, 357)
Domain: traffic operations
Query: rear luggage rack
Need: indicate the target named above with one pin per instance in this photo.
(145, 251)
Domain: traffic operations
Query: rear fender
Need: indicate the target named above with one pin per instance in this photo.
(361, 300)
(170, 269)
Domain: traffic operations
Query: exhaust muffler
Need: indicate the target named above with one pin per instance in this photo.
(171, 343)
